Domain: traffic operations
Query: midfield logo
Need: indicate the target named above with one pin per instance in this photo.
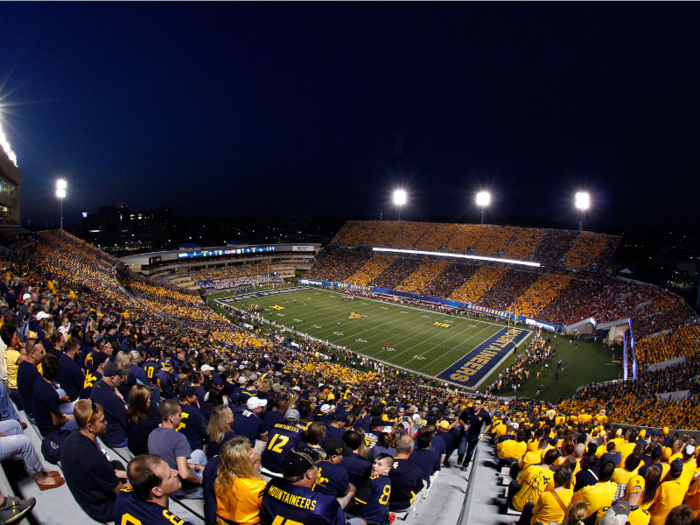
(353, 315)
(443, 325)
(277, 307)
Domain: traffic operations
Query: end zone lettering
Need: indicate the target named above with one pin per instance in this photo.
(473, 368)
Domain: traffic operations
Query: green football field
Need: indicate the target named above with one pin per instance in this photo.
(422, 340)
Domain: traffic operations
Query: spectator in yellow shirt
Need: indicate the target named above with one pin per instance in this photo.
(552, 504)
(631, 466)
(238, 483)
(599, 495)
(531, 482)
(669, 496)
(633, 496)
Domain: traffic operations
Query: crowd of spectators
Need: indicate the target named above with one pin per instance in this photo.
(523, 243)
(557, 247)
(133, 333)
(372, 269)
(454, 275)
(542, 292)
(494, 241)
(508, 289)
(396, 272)
(585, 250)
(479, 284)
(553, 246)
(427, 272)
(338, 265)
(536, 353)
(685, 341)
(636, 401)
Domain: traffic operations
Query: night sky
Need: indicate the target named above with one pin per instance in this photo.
(236, 109)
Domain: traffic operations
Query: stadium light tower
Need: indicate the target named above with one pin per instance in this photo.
(400, 199)
(483, 199)
(61, 187)
(583, 202)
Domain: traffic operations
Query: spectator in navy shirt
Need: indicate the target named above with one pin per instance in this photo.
(427, 460)
(248, 423)
(48, 412)
(358, 467)
(140, 420)
(194, 424)
(106, 394)
(27, 374)
(71, 377)
(332, 477)
(337, 426)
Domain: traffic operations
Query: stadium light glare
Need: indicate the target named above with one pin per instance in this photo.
(5, 145)
(483, 199)
(61, 187)
(458, 256)
(400, 198)
(583, 200)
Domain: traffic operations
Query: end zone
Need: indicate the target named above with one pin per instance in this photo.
(472, 369)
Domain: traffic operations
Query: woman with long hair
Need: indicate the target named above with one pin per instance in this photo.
(238, 483)
(652, 484)
(140, 421)
(219, 430)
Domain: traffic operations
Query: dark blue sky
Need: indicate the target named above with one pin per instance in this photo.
(235, 109)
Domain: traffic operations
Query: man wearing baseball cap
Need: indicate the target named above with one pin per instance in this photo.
(293, 499)
(248, 423)
(633, 496)
(332, 477)
(193, 424)
(282, 438)
(106, 394)
(670, 494)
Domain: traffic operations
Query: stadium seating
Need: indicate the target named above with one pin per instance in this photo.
(87, 278)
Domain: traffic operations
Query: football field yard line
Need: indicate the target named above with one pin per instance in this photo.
(389, 322)
(438, 346)
(453, 349)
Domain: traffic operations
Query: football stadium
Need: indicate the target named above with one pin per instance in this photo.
(426, 372)
(486, 347)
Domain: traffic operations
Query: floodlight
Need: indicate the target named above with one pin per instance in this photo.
(483, 198)
(400, 197)
(61, 186)
(583, 200)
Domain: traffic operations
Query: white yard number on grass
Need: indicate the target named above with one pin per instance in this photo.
(337, 333)
(418, 357)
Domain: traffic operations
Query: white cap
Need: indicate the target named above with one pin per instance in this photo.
(26, 296)
(42, 315)
(256, 402)
(207, 367)
(325, 409)
(515, 425)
